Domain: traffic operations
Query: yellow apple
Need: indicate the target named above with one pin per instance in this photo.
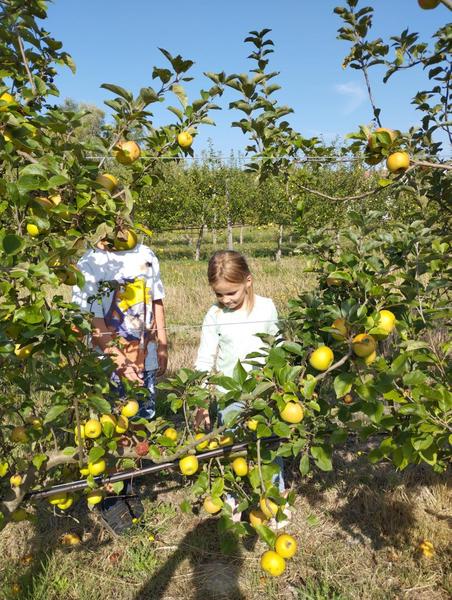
(212, 506)
(170, 433)
(268, 507)
(386, 320)
(128, 242)
(398, 162)
(363, 344)
(252, 424)
(126, 152)
(93, 428)
(23, 351)
(66, 504)
(32, 230)
(240, 466)
(122, 424)
(107, 181)
(15, 480)
(272, 563)
(188, 465)
(202, 445)
(286, 545)
(6, 100)
(185, 139)
(292, 412)
(97, 467)
(342, 329)
(94, 497)
(130, 409)
(19, 435)
(322, 358)
(257, 517)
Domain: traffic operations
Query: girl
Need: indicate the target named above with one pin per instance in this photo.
(231, 324)
(230, 327)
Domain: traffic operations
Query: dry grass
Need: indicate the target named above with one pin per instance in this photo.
(358, 531)
(358, 527)
(188, 297)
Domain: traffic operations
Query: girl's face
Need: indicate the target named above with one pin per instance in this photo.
(231, 295)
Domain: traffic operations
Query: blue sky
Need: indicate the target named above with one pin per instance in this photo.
(117, 42)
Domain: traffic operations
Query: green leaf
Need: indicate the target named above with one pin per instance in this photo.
(266, 535)
(225, 382)
(281, 429)
(231, 416)
(239, 374)
(38, 460)
(342, 275)
(322, 457)
(263, 431)
(293, 348)
(180, 93)
(12, 244)
(69, 451)
(308, 386)
(312, 520)
(29, 314)
(217, 487)
(118, 486)
(100, 404)
(118, 90)
(95, 453)
(185, 506)
(343, 384)
(55, 412)
(277, 358)
(304, 464)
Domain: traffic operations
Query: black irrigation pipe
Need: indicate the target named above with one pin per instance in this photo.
(74, 486)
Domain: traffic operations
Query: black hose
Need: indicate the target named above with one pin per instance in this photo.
(74, 486)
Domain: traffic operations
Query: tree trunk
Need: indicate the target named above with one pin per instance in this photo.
(198, 242)
(214, 231)
(241, 235)
(280, 240)
(230, 238)
(228, 205)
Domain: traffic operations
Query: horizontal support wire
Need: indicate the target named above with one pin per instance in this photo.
(177, 326)
(319, 159)
(74, 486)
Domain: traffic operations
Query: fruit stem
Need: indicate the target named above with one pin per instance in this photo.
(259, 466)
(79, 432)
(336, 365)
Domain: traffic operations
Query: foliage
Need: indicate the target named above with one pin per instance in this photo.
(52, 205)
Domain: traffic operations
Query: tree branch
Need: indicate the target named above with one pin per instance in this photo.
(27, 68)
(336, 365)
(358, 197)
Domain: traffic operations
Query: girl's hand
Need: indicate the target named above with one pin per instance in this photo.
(202, 418)
(129, 371)
(162, 359)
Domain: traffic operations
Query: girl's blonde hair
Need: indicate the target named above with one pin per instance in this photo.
(232, 267)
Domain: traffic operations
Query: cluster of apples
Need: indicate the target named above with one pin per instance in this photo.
(93, 428)
(396, 162)
(363, 345)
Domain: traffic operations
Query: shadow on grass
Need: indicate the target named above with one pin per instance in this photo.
(367, 501)
(47, 538)
(212, 574)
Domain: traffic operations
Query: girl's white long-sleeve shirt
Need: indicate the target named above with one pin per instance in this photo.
(230, 335)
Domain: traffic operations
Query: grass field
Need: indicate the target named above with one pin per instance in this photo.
(358, 527)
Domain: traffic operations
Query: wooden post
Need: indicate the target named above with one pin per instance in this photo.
(198, 242)
(280, 240)
(229, 222)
